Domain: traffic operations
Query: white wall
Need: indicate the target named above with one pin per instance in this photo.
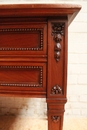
(77, 72)
(77, 67)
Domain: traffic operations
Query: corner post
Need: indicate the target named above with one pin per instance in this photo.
(57, 72)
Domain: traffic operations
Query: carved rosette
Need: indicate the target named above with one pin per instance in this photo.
(57, 32)
(55, 119)
(56, 90)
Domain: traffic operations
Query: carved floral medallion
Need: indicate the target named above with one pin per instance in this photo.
(56, 90)
(55, 119)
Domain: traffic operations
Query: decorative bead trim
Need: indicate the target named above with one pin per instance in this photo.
(20, 29)
(20, 85)
(24, 67)
(24, 30)
(25, 84)
(55, 119)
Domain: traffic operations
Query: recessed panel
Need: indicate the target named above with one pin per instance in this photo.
(24, 39)
(26, 79)
(20, 41)
(21, 76)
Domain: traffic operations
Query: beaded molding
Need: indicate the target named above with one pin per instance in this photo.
(24, 30)
(25, 84)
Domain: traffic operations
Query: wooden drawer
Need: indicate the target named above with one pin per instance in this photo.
(22, 79)
(23, 38)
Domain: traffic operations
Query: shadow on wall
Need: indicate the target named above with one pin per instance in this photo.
(22, 113)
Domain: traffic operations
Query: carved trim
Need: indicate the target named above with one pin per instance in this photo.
(25, 84)
(57, 32)
(23, 30)
(24, 67)
(20, 85)
(55, 119)
(56, 90)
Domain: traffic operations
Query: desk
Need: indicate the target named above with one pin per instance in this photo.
(33, 54)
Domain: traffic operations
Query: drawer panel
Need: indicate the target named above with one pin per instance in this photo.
(23, 39)
(29, 77)
(18, 75)
(30, 40)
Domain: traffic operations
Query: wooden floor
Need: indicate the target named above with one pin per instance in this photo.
(26, 123)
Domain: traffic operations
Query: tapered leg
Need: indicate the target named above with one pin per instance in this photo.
(55, 116)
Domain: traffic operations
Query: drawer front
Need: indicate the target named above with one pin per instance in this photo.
(25, 79)
(23, 39)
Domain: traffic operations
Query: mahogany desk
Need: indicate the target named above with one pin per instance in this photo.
(33, 54)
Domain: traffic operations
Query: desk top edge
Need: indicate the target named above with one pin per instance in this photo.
(39, 10)
(49, 6)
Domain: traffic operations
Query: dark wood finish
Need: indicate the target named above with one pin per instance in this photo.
(33, 54)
